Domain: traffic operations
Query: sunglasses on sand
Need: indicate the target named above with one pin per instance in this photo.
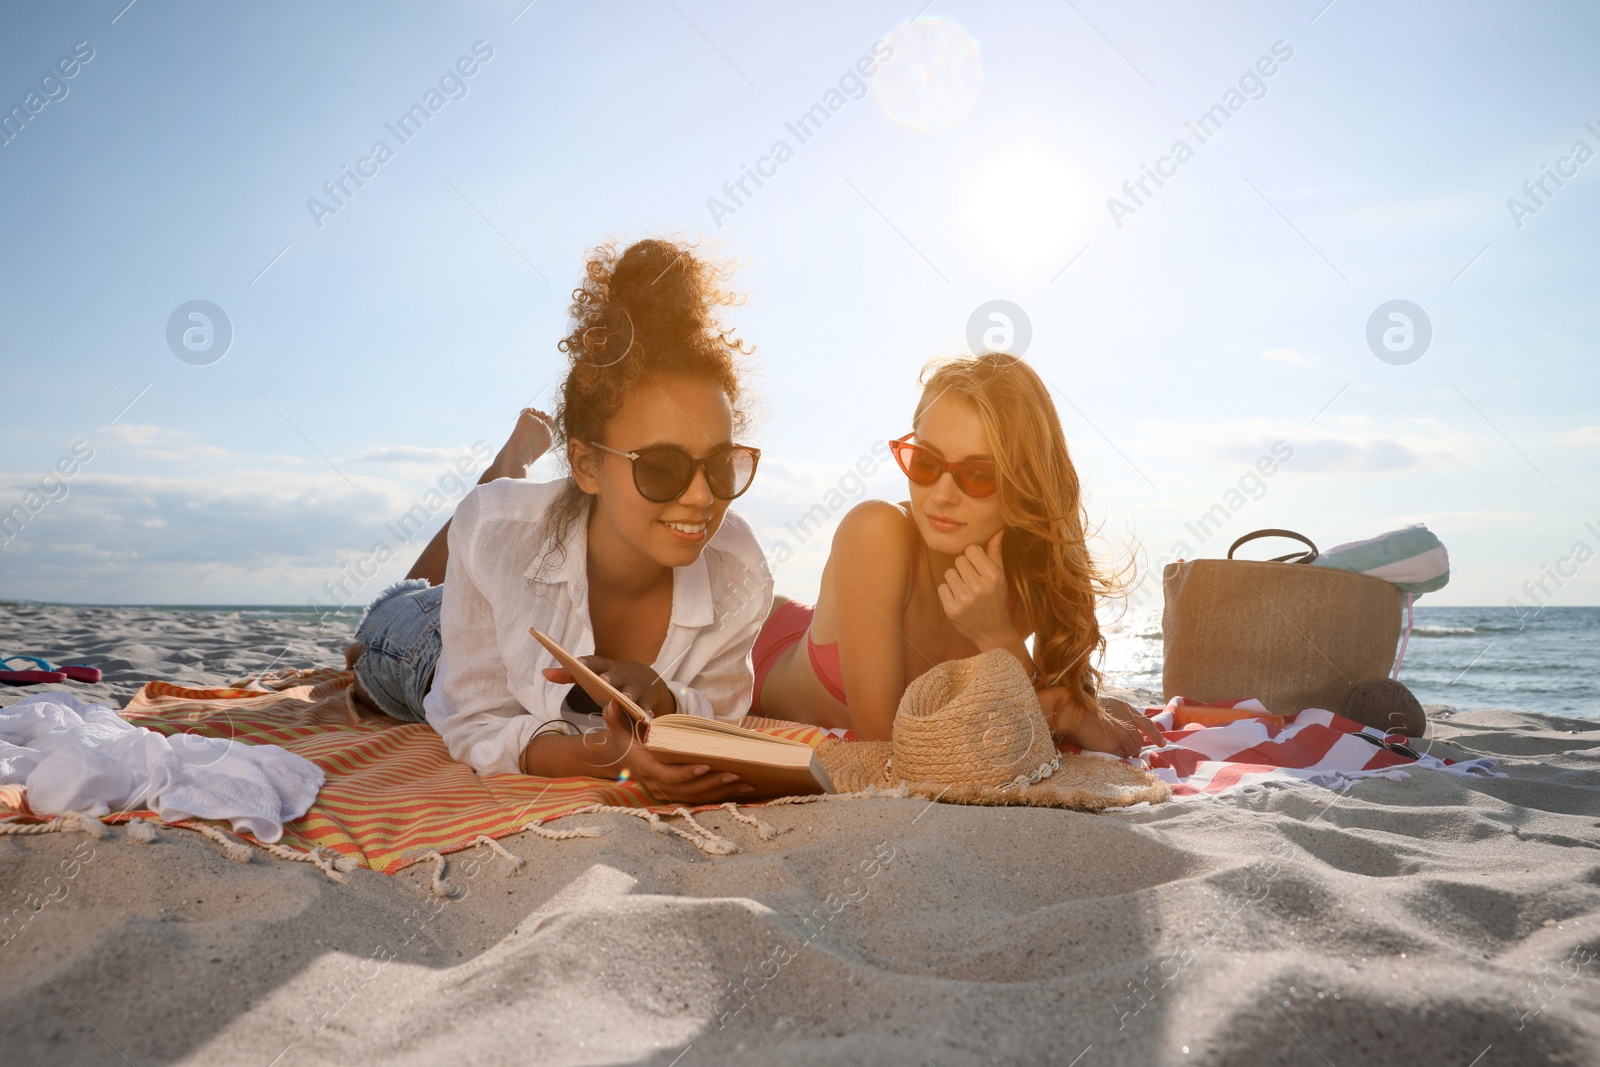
(974, 477)
(663, 473)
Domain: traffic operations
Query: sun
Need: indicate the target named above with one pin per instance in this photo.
(1028, 205)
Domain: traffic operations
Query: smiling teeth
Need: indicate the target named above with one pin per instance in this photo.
(688, 527)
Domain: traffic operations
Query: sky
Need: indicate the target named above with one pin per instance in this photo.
(1232, 315)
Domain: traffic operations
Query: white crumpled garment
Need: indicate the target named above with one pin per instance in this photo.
(85, 758)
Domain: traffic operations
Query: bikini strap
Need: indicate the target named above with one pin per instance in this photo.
(916, 561)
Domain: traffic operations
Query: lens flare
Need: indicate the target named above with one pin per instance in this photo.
(934, 77)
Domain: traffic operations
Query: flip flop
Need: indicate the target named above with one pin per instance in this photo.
(31, 677)
(75, 671)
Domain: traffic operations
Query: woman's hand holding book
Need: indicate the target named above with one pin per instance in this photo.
(619, 746)
(616, 751)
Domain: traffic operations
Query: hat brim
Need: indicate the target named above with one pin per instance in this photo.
(1082, 782)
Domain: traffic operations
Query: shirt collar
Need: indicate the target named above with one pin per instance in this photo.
(571, 567)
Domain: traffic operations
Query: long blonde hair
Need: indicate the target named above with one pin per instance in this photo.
(1047, 560)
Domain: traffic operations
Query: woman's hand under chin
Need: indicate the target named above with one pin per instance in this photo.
(1117, 729)
(976, 598)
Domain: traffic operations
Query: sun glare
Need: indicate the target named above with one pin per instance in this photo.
(1030, 206)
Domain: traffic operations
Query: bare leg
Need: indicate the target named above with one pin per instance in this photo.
(529, 440)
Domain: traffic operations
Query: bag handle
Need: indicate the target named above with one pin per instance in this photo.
(1292, 557)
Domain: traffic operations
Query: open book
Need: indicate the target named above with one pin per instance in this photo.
(776, 766)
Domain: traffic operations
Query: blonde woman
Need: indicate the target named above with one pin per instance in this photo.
(989, 551)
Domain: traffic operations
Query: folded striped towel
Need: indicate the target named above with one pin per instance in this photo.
(1207, 757)
(1412, 558)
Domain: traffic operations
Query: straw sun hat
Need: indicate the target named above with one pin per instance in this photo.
(971, 731)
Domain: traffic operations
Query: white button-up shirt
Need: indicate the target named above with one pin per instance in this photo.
(489, 697)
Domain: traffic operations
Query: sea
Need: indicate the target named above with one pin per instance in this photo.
(1493, 657)
(1488, 657)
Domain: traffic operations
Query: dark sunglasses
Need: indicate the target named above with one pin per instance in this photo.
(974, 477)
(663, 473)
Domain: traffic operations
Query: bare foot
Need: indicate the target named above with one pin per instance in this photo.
(529, 440)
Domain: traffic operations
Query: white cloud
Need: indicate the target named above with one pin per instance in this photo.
(1353, 446)
(157, 444)
(1587, 435)
(255, 534)
(412, 454)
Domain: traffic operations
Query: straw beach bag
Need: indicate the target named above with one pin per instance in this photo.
(1292, 636)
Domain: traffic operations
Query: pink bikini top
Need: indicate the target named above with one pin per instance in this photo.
(825, 658)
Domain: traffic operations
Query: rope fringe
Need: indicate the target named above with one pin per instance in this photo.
(538, 827)
(142, 831)
(700, 837)
(231, 847)
(706, 841)
(330, 863)
(720, 846)
(765, 831)
(516, 862)
(871, 792)
(61, 824)
(441, 889)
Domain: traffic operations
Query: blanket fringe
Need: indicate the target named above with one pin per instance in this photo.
(440, 890)
(231, 847)
(330, 863)
(719, 846)
(515, 862)
(699, 837)
(696, 834)
(896, 792)
(142, 831)
(538, 827)
(765, 831)
(59, 825)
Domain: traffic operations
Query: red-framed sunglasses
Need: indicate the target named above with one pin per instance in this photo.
(974, 477)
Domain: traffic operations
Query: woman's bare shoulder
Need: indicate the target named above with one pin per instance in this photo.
(872, 551)
(875, 529)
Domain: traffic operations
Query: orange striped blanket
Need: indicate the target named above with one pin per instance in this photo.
(393, 794)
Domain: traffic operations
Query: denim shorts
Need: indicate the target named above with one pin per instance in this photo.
(400, 630)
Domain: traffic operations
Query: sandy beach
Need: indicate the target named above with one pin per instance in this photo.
(1434, 920)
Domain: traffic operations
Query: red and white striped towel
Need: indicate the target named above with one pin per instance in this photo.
(1315, 747)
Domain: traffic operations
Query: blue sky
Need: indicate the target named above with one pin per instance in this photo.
(1226, 312)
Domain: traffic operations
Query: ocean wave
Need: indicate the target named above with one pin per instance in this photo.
(1444, 631)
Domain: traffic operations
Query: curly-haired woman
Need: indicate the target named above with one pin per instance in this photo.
(989, 550)
(634, 562)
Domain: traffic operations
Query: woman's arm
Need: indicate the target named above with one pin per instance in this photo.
(870, 565)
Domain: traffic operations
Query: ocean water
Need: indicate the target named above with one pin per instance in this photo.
(1465, 657)
(288, 612)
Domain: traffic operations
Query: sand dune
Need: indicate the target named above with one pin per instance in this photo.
(1423, 921)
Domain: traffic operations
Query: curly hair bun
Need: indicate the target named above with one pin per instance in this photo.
(649, 311)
